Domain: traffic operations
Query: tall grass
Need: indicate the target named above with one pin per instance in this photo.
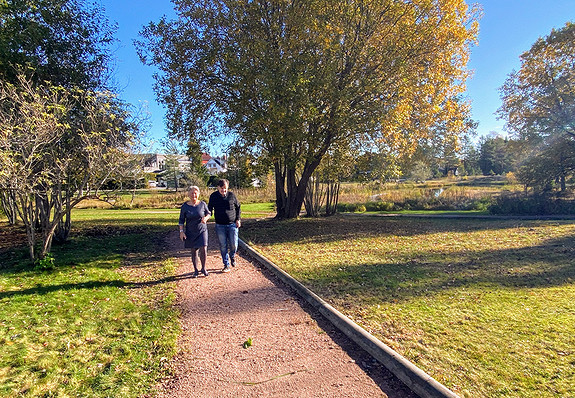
(443, 194)
(164, 199)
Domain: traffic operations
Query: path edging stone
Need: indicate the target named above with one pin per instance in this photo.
(416, 379)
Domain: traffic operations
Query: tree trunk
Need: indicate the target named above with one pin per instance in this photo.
(26, 210)
(8, 203)
(332, 198)
(281, 199)
(314, 197)
(296, 189)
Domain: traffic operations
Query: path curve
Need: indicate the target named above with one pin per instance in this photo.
(295, 352)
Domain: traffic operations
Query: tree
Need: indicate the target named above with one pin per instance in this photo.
(57, 147)
(539, 105)
(548, 168)
(63, 134)
(240, 172)
(296, 79)
(324, 185)
(61, 41)
(494, 156)
(470, 156)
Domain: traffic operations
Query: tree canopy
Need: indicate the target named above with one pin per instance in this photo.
(539, 106)
(64, 42)
(295, 79)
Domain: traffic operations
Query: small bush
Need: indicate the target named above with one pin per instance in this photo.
(482, 204)
(379, 206)
(45, 264)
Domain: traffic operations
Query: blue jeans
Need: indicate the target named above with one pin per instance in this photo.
(228, 237)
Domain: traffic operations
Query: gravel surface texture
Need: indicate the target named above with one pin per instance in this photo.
(295, 352)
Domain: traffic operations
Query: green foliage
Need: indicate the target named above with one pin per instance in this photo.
(496, 156)
(248, 343)
(45, 264)
(531, 204)
(379, 206)
(65, 42)
(539, 103)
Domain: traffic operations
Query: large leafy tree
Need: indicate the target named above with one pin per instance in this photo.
(296, 79)
(62, 133)
(539, 105)
(64, 42)
(495, 156)
(47, 164)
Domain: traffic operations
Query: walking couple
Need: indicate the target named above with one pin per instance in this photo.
(194, 215)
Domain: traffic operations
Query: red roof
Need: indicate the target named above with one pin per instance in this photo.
(205, 158)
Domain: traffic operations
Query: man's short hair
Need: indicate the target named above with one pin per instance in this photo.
(223, 182)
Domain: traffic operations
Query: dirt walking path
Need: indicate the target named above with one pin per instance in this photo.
(295, 352)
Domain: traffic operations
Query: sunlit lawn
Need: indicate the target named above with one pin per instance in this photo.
(94, 326)
(258, 210)
(486, 307)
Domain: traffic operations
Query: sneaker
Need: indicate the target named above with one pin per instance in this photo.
(226, 269)
(233, 261)
(205, 272)
(195, 275)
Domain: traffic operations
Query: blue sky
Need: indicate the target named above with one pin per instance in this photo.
(507, 29)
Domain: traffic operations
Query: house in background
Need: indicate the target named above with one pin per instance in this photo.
(215, 165)
(156, 162)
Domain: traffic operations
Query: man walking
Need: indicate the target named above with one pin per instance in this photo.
(227, 211)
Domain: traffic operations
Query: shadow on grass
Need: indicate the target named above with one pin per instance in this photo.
(549, 265)
(98, 246)
(340, 228)
(90, 285)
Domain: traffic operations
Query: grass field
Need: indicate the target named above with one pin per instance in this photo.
(486, 307)
(99, 324)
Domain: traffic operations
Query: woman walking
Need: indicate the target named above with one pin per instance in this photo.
(194, 215)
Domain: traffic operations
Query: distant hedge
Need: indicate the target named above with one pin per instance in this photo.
(533, 204)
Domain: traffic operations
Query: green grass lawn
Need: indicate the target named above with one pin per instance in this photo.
(258, 210)
(486, 307)
(101, 324)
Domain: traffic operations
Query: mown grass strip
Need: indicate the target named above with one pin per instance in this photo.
(486, 307)
(102, 323)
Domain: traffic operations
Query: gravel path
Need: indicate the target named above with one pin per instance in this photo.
(295, 352)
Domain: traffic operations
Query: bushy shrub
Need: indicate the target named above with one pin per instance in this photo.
(351, 208)
(47, 263)
(379, 206)
(535, 204)
(482, 204)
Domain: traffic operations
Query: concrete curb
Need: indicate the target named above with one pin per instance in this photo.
(416, 379)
